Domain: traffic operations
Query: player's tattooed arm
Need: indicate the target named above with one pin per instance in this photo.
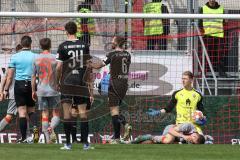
(90, 82)
(96, 65)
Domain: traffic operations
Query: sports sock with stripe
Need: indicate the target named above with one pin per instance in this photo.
(45, 126)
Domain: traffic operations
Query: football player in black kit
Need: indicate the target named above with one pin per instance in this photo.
(119, 61)
(72, 56)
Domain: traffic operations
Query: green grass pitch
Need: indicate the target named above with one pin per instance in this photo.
(120, 152)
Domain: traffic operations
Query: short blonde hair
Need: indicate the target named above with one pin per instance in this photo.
(189, 74)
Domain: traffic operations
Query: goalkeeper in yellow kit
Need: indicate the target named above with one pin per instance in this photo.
(186, 100)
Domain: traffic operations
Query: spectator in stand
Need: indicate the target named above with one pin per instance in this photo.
(156, 28)
(213, 31)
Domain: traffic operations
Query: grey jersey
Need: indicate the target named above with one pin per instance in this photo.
(187, 128)
(45, 69)
(11, 89)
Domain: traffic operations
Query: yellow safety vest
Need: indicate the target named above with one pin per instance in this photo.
(90, 24)
(213, 27)
(153, 27)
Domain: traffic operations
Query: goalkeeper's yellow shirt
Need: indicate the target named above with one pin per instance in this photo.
(186, 102)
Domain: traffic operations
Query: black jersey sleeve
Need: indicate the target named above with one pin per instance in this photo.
(200, 105)
(129, 58)
(60, 53)
(172, 103)
(109, 59)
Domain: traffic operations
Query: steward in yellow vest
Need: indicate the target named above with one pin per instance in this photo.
(156, 27)
(213, 27)
(86, 26)
(213, 31)
(153, 27)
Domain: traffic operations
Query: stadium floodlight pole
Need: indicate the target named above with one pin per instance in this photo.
(119, 15)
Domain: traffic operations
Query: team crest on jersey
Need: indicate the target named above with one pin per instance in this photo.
(194, 95)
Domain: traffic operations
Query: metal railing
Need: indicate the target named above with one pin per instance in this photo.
(205, 56)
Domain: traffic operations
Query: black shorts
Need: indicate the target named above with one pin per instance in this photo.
(75, 100)
(117, 91)
(76, 81)
(23, 93)
(88, 105)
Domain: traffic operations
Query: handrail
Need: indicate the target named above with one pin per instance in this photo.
(205, 54)
(203, 77)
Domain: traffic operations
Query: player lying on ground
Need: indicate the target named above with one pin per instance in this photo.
(184, 131)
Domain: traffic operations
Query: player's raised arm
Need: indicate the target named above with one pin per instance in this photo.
(171, 105)
(96, 64)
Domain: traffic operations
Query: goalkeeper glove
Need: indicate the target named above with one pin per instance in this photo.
(201, 122)
(153, 112)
